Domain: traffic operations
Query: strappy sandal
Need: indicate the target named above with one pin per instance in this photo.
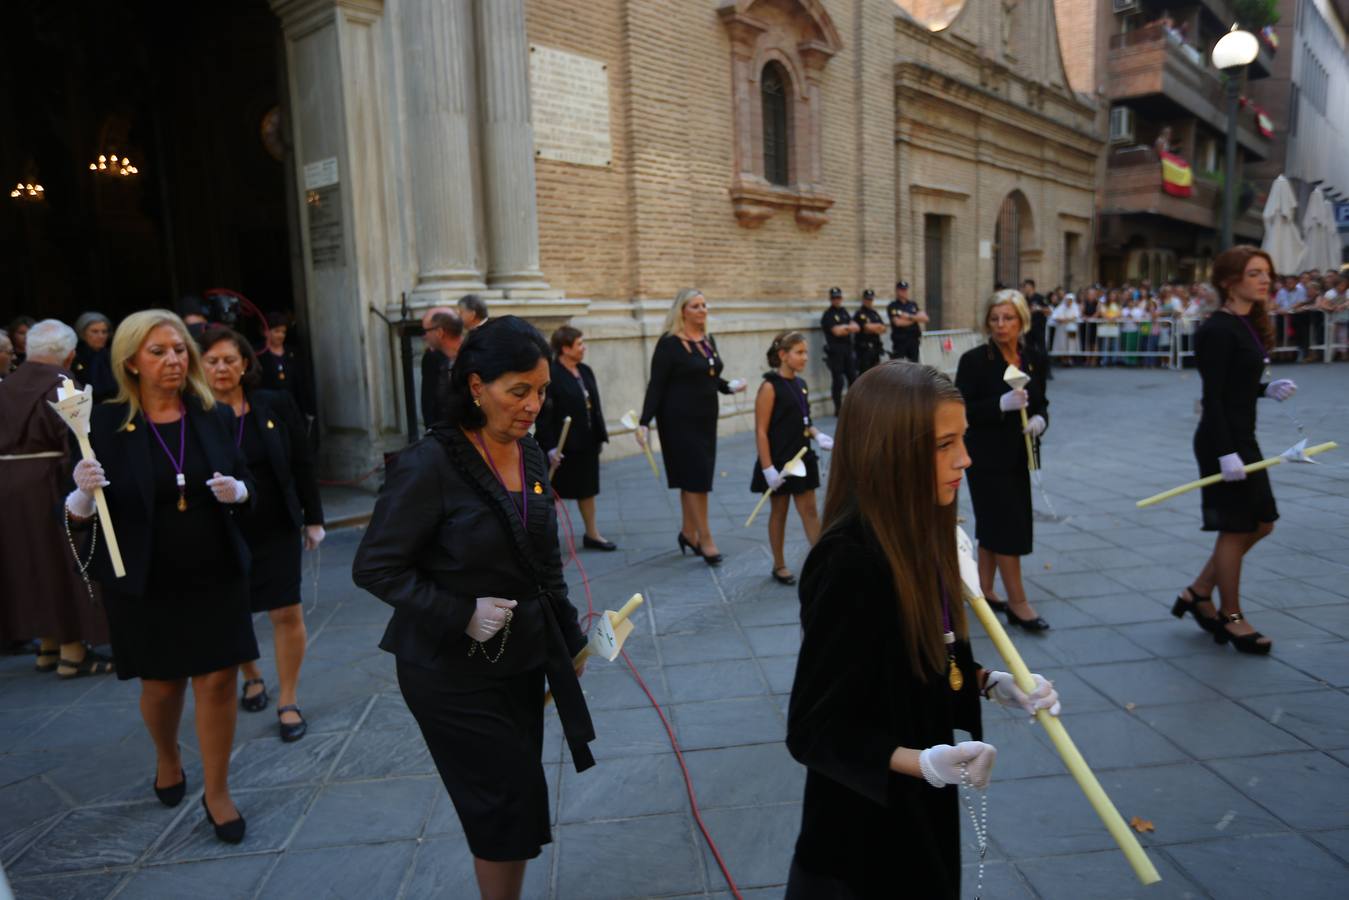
(94, 663)
(257, 702)
(1211, 624)
(1245, 643)
(40, 666)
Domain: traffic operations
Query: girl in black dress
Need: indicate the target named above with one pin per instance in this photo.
(1000, 474)
(885, 673)
(181, 610)
(682, 397)
(575, 467)
(271, 433)
(782, 426)
(1231, 351)
(463, 545)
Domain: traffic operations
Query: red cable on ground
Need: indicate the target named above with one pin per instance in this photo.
(570, 536)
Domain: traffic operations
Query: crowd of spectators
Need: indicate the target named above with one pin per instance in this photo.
(1145, 325)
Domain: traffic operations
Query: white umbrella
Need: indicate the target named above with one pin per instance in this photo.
(1282, 241)
(1318, 228)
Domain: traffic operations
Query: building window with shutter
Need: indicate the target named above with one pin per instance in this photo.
(773, 87)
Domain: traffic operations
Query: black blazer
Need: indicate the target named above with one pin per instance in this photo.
(125, 455)
(445, 532)
(854, 700)
(284, 435)
(290, 373)
(994, 440)
(565, 399)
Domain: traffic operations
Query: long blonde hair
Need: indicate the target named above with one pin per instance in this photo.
(884, 471)
(674, 319)
(127, 341)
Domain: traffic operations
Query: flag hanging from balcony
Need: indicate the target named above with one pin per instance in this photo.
(1176, 175)
(1263, 123)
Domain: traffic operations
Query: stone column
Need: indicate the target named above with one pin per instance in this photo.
(507, 149)
(437, 42)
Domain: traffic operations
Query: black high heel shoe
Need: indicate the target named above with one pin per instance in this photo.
(1245, 643)
(1211, 624)
(172, 795)
(686, 544)
(231, 832)
(998, 606)
(713, 559)
(1036, 624)
(780, 578)
(591, 543)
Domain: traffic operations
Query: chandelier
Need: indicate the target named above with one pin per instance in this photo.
(111, 165)
(28, 192)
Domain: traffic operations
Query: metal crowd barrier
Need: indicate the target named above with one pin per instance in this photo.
(1122, 342)
(943, 348)
(1313, 332)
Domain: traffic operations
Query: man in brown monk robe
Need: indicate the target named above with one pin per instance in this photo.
(42, 595)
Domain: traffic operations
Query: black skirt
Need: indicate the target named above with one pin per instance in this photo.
(579, 475)
(486, 737)
(1002, 510)
(808, 482)
(275, 579)
(1234, 506)
(175, 633)
(689, 447)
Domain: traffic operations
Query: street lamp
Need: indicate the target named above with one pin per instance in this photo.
(1234, 51)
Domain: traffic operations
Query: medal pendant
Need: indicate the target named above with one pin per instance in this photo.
(182, 503)
(956, 679)
(280, 376)
(806, 432)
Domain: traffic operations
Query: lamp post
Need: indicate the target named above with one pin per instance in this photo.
(1234, 52)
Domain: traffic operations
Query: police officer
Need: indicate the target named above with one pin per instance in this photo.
(906, 324)
(839, 328)
(872, 326)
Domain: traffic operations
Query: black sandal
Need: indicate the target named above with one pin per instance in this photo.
(1211, 624)
(94, 663)
(1245, 643)
(40, 666)
(257, 702)
(290, 733)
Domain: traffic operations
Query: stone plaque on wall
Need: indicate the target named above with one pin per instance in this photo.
(325, 226)
(569, 107)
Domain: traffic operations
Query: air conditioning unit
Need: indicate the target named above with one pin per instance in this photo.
(1121, 125)
(1123, 7)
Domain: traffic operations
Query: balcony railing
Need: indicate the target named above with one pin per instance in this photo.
(1150, 65)
(1133, 185)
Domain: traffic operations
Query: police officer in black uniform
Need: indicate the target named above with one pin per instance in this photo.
(906, 324)
(839, 328)
(868, 319)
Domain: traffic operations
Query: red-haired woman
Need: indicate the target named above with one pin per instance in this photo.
(1231, 351)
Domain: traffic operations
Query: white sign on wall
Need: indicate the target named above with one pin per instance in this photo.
(985, 249)
(320, 174)
(569, 107)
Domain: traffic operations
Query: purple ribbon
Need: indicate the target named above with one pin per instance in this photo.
(523, 511)
(182, 439)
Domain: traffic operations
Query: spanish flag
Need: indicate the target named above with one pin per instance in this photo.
(1176, 175)
(1263, 123)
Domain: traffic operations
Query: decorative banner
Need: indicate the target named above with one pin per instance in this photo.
(1177, 179)
(1263, 123)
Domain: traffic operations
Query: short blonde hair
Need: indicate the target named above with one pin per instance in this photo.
(674, 319)
(1016, 299)
(126, 343)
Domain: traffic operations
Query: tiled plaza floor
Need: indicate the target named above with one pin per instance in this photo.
(1241, 764)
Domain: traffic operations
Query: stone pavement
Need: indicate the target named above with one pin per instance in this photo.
(1241, 764)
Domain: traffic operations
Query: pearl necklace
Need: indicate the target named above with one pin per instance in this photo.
(979, 822)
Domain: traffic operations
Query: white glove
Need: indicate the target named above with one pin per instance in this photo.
(81, 504)
(88, 476)
(1013, 400)
(1281, 389)
(1035, 426)
(773, 477)
(1001, 687)
(824, 440)
(554, 458)
(736, 385)
(941, 764)
(490, 617)
(642, 432)
(1233, 468)
(227, 489)
(313, 536)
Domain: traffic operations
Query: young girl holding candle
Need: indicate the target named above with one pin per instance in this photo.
(885, 674)
(782, 429)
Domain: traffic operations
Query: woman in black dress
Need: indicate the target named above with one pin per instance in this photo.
(463, 545)
(1231, 351)
(782, 426)
(1000, 474)
(575, 467)
(271, 433)
(181, 611)
(885, 673)
(682, 397)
